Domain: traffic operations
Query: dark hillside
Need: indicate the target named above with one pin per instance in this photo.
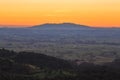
(33, 66)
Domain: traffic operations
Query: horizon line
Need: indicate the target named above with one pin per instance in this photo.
(25, 26)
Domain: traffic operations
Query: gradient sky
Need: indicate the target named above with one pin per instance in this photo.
(87, 12)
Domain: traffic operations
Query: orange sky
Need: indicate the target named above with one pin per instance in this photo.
(87, 12)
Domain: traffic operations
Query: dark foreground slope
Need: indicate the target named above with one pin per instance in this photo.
(33, 66)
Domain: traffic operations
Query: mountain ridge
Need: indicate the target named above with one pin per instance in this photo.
(61, 24)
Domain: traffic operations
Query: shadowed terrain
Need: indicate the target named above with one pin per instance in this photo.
(34, 66)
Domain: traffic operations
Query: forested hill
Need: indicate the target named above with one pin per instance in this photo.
(34, 66)
(39, 60)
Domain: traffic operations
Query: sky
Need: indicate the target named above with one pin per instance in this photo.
(98, 13)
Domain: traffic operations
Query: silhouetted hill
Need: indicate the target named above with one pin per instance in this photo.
(32, 58)
(62, 26)
(42, 61)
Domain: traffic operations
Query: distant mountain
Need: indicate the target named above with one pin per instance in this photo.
(62, 26)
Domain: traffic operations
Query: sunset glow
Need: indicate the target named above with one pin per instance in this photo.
(88, 12)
